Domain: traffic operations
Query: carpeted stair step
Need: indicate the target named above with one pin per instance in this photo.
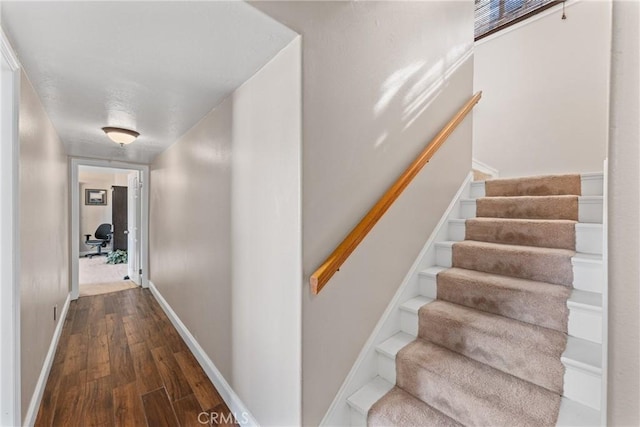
(528, 207)
(529, 352)
(537, 303)
(560, 234)
(589, 209)
(525, 262)
(470, 392)
(399, 408)
(548, 185)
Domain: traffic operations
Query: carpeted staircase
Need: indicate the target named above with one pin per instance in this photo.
(488, 350)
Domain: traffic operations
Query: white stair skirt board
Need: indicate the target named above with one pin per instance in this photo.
(592, 185)
(237, 407)
(365, 366)
(589, 209)
(36, 398)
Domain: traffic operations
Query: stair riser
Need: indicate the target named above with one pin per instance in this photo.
(387, 367)
(585, 324)
(444, 255)
(582, 387)
(456, 231)
(589, 210)
(592, 185)
(357, 419)
(587, 276)
(588, 237)
(409, 323)
(477, 190)
(428, 286)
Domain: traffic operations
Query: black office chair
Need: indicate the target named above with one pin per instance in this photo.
(102, 239)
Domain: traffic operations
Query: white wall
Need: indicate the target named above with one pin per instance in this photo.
(266, 237)
(624, 217)
(545, 89)
(190, 232)
(44, 235)
(372, 73)
(225, 237)
(10, 398)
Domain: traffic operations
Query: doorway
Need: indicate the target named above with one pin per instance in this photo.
(109, 217)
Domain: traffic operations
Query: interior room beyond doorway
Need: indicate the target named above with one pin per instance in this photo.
(108, 227)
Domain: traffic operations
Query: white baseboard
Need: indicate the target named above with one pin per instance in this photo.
(237, 407)
(36, 398)
(365, 366)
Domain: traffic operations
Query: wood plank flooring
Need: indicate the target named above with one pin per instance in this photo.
(120, 362)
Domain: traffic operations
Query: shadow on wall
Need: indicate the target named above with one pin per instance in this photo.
(409, 92)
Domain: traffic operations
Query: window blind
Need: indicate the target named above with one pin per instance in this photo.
(494, 15)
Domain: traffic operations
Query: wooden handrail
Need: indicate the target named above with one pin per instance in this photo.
(332, 264)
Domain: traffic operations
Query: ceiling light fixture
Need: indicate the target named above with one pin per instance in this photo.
(121, 136)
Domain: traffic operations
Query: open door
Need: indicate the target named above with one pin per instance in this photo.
(133, 226)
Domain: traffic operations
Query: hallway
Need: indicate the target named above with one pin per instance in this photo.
(121, 362)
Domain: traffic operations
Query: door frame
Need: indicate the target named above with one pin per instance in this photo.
(143, 171)
(133, 198)
(10, 386)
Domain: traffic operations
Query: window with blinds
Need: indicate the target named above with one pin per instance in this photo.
(494, 15)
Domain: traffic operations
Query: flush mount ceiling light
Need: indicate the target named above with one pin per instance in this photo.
(121, 136)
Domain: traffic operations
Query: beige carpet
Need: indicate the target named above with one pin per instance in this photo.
(488, 350)
(105, 288)
(548, 185)
(96, 277)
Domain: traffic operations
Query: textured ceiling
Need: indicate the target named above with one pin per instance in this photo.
(156, 67)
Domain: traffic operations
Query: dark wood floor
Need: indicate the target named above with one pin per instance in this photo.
(120, 362)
